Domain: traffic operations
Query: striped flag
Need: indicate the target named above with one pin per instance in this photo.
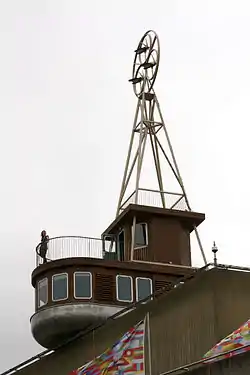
(238, 342)
(126, 356)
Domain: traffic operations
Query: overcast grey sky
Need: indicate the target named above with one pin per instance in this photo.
(66, 111)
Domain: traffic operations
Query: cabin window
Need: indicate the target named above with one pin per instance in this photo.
(141, 235)
(124, 288)
(83, 285)
(60, 287)
(143, 288)
(42, 292)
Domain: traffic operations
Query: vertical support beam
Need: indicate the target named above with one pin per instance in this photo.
(128, 158)
(147, 329)
(160, 174)
(140, 157)
(133, 239)
(132, 167)
(154, 150)
(169, 143)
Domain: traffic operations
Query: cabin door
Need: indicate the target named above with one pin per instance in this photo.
(121, 238)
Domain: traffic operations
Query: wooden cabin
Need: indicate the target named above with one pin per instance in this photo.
(85, 281)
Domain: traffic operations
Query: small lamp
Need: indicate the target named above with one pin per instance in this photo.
(215, 250)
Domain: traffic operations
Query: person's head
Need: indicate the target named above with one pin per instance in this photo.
(43, 233)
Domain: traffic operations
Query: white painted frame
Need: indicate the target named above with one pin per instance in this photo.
(146, 244)
(136, 286)
(91, 284)
(131, 286)
(38, 288)
(67, 278)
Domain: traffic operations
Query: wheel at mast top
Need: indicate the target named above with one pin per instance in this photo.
(146, 63)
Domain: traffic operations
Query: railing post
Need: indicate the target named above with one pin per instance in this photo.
(103, 246)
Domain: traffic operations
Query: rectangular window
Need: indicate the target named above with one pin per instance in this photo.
(42, 292)
(141, 235)
(60, 287)
(83, 285)
(124, 288)
(143, 288)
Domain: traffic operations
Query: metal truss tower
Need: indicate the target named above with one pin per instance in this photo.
(149, 128)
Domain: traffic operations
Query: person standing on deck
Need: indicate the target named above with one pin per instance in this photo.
(44, 245)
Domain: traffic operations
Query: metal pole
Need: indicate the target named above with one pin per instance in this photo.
(156, 158)
(133, 239)
(128, 159)
(149, 345)
(132, 167)
(139, 163)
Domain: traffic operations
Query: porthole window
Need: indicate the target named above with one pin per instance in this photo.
(42, 292)
(143, 288)
(141, 235)
(60, 287)
(83, 285)
(124, 288)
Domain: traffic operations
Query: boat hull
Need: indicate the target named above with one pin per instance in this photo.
(53, 326)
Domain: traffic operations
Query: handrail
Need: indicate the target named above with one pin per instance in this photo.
(73, 246)
(57, 237)
(94, 327)
(151, 197)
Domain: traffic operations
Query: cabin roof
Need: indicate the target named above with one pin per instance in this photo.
(189, 218)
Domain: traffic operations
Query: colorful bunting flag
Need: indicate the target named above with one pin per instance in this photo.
(239, 341)
(126, 356)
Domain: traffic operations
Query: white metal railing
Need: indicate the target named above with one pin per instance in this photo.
(74, 246)
(156, 198)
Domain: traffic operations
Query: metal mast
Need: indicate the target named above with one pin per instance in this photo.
(149, 128)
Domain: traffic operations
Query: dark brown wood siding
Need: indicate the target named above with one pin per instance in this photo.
(104, 290)
(169, 241)
(104, 282)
